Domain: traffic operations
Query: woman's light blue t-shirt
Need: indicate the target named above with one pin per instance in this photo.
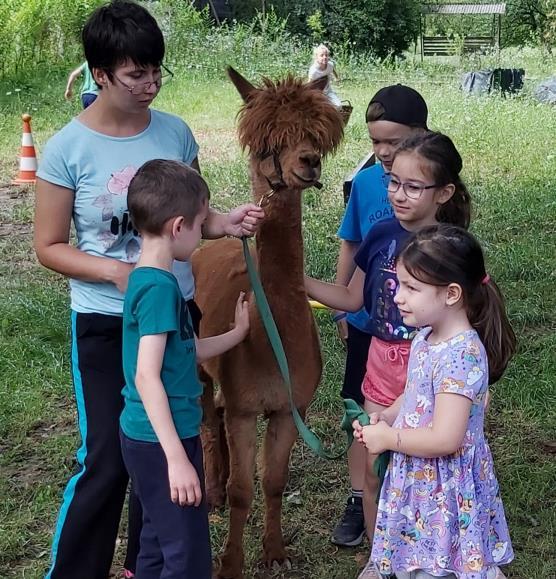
(99, 168)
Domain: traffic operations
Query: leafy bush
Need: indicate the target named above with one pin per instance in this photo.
(530, 22)
(41, 32)
(383, 27)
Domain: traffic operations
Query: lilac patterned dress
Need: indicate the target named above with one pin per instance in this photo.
(443, 515)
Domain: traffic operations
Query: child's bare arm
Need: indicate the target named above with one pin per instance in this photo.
(71, 80)
(244, 220)
(185, 488)
(338, 297)
(216, 345)
(344, 270)
(444, 437)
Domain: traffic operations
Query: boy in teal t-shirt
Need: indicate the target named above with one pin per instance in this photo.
(160, 422)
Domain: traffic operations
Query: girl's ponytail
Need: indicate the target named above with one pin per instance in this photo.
(487, 314)
(457, 210)
(445, 165)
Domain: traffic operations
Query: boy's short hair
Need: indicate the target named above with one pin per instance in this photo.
(121, 31)
(398, 104)
(161, 190)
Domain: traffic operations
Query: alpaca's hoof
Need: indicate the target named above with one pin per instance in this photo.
(285, 564)
(216, 498)
(276, 558)
(228, 568)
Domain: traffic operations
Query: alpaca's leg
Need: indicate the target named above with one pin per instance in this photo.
(281, 434)
(214, 455)
(241, 433)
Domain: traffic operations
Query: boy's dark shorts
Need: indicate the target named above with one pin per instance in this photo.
(358, 343)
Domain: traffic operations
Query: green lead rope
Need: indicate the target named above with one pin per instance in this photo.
(352, 410)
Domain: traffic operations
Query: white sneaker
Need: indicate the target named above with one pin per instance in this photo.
(369, 572)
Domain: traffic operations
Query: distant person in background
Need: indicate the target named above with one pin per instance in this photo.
(323, 65)
(89, 88)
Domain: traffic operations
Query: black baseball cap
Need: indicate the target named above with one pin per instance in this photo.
(402, 104)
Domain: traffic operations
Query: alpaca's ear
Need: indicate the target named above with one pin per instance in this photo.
(244, 87)
(319, 83)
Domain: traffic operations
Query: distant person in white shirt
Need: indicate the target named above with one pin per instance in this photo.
(323, 65)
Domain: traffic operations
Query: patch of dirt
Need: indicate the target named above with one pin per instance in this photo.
(16, 235)
(10, 195)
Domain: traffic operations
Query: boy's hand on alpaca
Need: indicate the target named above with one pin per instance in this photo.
(244, 220)
(241, 319)
(185, 488)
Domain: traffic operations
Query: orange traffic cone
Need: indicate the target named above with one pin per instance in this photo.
(28, 161)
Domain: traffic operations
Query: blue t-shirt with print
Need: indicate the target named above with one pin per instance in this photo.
(98, 168)
(377, 258)
(154, 305)
(368, 203)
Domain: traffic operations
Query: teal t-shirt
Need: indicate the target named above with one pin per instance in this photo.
(89, 85)
(154, 305)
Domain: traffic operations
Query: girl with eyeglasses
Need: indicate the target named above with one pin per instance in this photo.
(424, 188)
(83, 177)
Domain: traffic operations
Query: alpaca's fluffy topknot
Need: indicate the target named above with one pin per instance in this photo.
(281, 114)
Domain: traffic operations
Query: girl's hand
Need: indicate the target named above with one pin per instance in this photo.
(241, 318)
(357, 431)
(342, 327)
(374, 437)
(386, 415)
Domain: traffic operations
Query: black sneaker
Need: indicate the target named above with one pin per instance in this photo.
(349, 532)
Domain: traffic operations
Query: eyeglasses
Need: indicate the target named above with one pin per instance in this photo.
(165, 75)
(412, 190)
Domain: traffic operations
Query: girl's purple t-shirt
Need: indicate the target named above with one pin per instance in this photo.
(443, 515)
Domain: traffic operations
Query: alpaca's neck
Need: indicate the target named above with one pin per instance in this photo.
(279, 239)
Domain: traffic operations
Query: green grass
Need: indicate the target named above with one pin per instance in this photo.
(510, 167)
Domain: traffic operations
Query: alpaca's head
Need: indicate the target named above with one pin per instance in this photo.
(288, 126)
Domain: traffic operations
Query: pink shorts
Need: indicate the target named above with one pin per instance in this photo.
(386, 372)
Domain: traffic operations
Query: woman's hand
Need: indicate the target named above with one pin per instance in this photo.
(244, 220)
(119, 274)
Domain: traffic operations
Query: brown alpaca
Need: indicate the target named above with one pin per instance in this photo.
(288, 126)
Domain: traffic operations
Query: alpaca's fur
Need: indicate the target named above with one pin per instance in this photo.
(296, 125)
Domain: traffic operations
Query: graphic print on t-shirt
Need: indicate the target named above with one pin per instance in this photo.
(114, 214)
(386, 310)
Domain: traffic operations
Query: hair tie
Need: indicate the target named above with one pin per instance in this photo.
(485, 279)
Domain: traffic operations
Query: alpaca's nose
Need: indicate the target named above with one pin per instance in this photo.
(310, 159)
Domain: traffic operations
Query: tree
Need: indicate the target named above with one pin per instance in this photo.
(531, 21)
(384, 27)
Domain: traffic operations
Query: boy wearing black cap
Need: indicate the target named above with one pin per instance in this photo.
(393, 114)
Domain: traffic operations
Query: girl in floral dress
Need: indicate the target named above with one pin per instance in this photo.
(440, 513)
